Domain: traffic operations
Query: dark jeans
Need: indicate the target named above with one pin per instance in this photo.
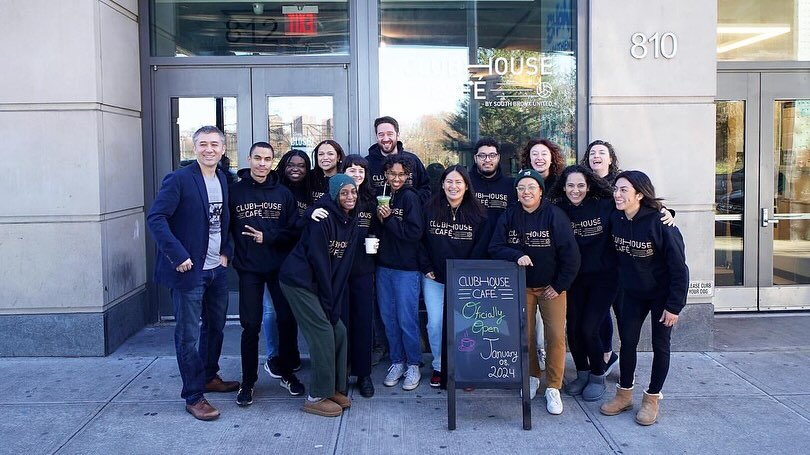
(207, 301)
(288, 355)
(606, 331)
(251, 311)
(589, 301)
(357, 316)
(634, 311)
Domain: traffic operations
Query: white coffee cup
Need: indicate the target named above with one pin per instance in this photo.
(372, 244)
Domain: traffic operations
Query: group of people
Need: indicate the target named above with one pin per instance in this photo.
(304, 244)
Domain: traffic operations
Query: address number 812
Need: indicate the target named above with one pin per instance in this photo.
(664, 45)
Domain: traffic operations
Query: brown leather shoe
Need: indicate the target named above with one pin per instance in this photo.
(202, 410)
(341, 399)
(325, 407)
(218, 385)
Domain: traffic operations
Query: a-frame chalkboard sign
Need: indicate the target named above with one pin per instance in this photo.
(485, 333)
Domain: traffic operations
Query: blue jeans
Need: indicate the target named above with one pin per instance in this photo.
(433, 292)
(208, 300)
(269, 325)
(398, 297)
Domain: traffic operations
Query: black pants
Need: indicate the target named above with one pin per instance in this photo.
(358, 317)
(606, 331)
(589, 301)
(251, 293)
(634, 311)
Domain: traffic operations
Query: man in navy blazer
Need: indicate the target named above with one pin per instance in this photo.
(189, 221)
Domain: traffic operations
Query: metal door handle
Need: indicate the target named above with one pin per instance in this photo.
(765, 221)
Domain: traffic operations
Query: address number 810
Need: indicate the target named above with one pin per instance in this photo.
(664, 45)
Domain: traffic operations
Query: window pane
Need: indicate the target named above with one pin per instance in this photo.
(791, 154)
(184, 28)
(729, 193)
(522, 82)
(763, 30)
(299, 122)
(189, 114)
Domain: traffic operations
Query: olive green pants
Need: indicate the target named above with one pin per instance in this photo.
(327, 342)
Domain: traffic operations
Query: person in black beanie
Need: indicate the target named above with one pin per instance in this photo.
(538, 235)
(655, 280)
(313, 278)
(263, 215)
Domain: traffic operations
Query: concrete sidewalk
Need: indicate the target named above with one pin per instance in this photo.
(750, 394)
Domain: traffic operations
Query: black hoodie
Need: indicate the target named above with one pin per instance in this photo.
(544, 235)
(590, 221)
(268, 207)
(652, 262)
(322, 259)
(450, 240)
(418, 178)
(496, 193)
(401, 232)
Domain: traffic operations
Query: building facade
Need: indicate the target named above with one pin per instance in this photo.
(711, 99)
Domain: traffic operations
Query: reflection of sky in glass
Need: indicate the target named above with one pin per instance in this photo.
(421, 80)
(319, 108)
(196, 112)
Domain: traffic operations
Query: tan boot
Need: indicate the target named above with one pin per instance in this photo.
(649, 409)
(620, 403)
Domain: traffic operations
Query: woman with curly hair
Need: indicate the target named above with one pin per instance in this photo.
(600, 157)
(545, 157)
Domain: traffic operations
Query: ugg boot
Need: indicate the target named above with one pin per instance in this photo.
(649, 409)
(620, 403)
(575, 387)
(595, 389)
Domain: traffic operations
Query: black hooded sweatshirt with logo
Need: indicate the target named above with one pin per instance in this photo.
(544, 235)
(590, 221)
(322, 259)
(418, 178)
(365, 212)
(496, 193)
(451, 239)
(401, 232)
(268, 207)
(652, 262)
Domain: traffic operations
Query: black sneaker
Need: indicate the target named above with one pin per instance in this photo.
(292, 384)
(436, 379)
(366, 386)
(271, 367)
(245, 396)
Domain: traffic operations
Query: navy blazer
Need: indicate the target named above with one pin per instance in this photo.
(178, 221)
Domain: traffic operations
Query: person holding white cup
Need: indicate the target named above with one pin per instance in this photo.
(357, 314)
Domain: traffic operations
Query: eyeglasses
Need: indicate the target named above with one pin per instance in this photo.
(486, 156)
(400, 175)
(530, 188)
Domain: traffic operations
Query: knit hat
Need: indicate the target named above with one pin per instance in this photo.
(532, 174)
(338, 181)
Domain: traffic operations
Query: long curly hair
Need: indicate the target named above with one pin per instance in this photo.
(557, 159)
(597, 187)
(613, 169)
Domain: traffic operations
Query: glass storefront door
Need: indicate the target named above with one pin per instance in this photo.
(290, 107)
(762, 190)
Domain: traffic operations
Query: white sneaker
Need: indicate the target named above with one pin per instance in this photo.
(534, 384)
(394, 373)
(553, 401)
(412, 377)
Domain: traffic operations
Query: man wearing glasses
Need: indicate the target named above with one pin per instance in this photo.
(388, 143)
(493, 189)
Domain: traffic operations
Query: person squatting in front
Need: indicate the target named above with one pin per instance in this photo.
(357, 314)
(655, 280)
(456, 227)
(263, 216)
(314, 279)
(537, 235)
(398, 272)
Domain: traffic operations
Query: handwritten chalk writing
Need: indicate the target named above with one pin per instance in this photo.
(509, 356)
(472, 310)
(478, 281)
